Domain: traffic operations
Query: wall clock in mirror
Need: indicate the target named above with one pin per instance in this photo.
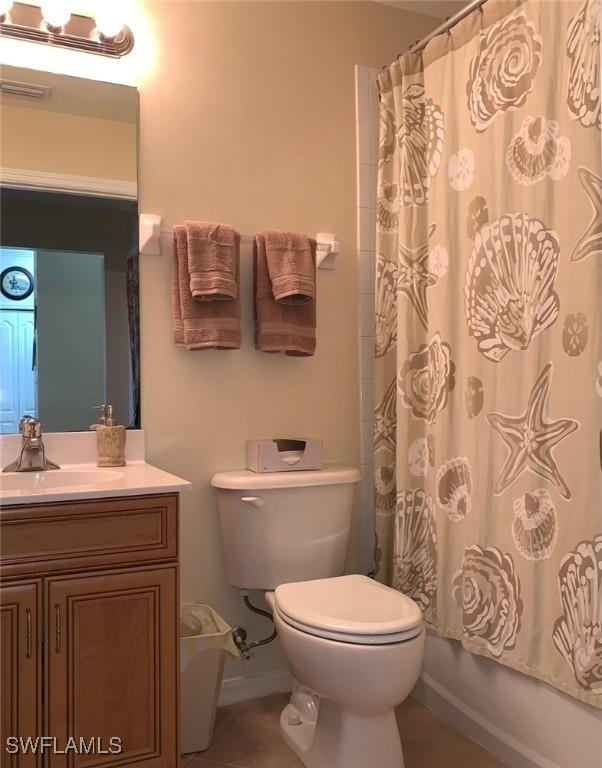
(16, 283)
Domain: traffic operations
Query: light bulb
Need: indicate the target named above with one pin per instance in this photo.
(109, 20)
(5, 6)
(56, 13)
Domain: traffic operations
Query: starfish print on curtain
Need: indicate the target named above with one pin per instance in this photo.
(414, 276)
(531, 437)
(591, 240)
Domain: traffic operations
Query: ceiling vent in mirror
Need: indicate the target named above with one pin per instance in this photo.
(52, 23)
(28, 90)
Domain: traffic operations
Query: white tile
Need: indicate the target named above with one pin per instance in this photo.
(367, 511)
(366, 314)
(367, 551)
(364, 220)
(364, 133)
(366, 267)
(367, 357)
(367, 399)
(364, 106)
(366, 451)
(373, 144)
(367, 468)
(367, 508)
(367, 483)
(366, 557)
(366, 197)
(367, 495)
(373, 105)
(361, 86)
(373, 183)
(366, 442)
(367, 471)
(362, 78)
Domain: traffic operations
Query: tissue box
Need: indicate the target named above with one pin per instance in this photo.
(284, 455)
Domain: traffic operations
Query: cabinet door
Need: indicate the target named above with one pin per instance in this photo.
(111, 668)
(20, 670)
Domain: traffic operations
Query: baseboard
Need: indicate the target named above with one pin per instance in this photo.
(237, 689)
(476, 727)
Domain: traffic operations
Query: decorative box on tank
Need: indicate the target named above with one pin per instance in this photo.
(284, 454)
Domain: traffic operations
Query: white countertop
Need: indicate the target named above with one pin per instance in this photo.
(87, 481)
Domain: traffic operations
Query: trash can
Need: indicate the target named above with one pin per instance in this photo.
(205, 639)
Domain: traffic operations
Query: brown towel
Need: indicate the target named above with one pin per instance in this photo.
(176, 304)
(280, 327)
(212, 255)
(202, 324)
(291, 266)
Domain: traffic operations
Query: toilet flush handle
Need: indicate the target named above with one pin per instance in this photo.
(256, 501)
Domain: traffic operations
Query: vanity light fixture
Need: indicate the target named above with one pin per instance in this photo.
(109, 22)
(56, 14)
(5, 6)
(53, 23)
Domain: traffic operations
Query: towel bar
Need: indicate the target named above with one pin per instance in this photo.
(327, 247)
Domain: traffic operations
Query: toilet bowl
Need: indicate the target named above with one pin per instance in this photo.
(355, 648)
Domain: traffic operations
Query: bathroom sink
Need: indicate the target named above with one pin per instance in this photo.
(30, 482)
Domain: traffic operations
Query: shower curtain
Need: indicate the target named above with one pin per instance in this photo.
(488, 370)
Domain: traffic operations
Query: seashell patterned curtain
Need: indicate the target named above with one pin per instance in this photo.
(488, 369)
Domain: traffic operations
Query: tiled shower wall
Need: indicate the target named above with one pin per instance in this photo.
(367, 123)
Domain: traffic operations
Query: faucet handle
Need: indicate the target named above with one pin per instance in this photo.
(30, 427)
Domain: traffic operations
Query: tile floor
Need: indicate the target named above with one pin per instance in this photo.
(246, 736)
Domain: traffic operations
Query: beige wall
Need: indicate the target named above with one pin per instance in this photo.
(59, 142)
(250, 121)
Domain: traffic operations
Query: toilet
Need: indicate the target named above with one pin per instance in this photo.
(355, 646)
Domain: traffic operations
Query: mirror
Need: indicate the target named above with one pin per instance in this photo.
(69, 308)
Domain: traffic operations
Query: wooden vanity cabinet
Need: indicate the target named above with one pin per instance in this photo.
(20, 667)
(90, 647)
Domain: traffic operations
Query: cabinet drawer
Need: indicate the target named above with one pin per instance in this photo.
(72, 535)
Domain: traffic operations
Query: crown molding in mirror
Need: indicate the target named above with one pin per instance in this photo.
(74, 185)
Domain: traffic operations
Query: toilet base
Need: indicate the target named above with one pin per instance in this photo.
(323, 735)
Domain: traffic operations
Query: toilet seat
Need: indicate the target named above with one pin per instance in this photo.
(349, 609)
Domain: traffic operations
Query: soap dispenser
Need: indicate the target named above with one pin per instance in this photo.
(110, 439)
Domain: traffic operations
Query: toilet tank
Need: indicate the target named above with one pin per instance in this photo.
(280, 527)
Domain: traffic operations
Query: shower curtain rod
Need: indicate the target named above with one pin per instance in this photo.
(420, 45)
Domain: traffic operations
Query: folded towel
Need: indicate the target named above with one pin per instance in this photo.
(281, 327)
(291, 266)
(202, 324)
(212, 255)
(176, 304)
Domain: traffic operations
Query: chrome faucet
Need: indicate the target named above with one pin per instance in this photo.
(32, 456)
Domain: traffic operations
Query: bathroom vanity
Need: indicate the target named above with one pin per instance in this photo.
(88, 556)
(89, 614)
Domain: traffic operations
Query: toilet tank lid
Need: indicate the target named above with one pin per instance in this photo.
(244, 479)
